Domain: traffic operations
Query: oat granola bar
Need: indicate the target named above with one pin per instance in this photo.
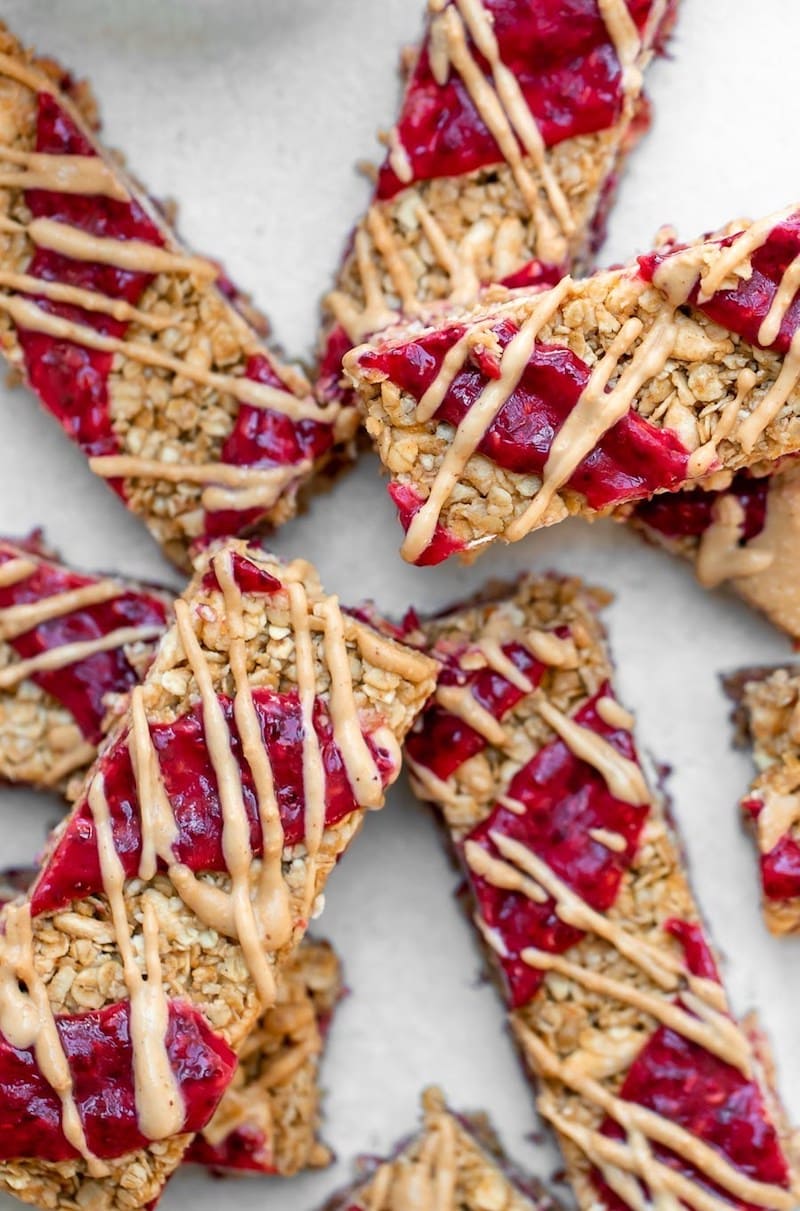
(658, 1096)
(69, 644)
(269, 1117)
(590, 396)
(138, 348)
(768, 720)
(454, 1161)
(753, 523)
(512, 134)
(186, 875)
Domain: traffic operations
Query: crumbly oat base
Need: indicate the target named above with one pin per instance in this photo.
(276, 1090)
(762, 570)
(687, 393)
(567, 1022)
(156, 413)
(76, 952)
(445, 238)
(768, 721)
(453, 1162)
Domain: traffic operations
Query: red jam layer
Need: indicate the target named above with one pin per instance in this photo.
(72, 869)
(689, 514)
(743, 308)
(564, 799)
(565, 65)
(98, 1048)
(633, 460)
(243, 1150)
(689, 1086)
(82, 688)
(408, 503)
(780, 868)
(72, 382)
(249, 576)
(698, 954)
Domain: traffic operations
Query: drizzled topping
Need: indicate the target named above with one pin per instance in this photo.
(69, 633)
(97, 243)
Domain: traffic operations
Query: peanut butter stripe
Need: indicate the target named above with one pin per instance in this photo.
(581, 898)
(187, 828)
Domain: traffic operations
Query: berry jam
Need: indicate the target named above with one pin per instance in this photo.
(689, 514)
(632, 460)
(564, 63)
(100, 1056)
(243, 1150)
(780, 867)
(82, 688)
(72, 870)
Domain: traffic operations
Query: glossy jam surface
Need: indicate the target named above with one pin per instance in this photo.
(780, 867)
(81, 687)
(632, 460)
(73, 870)
(689, 1086)
(72, 382)
(564, 63)
(743, 308)
(98, 1048)
(689, 514)
(564, 799)
(249, 576)
(408, 503)
(243, 1150)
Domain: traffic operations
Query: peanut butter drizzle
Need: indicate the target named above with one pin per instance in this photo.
(382, 651)
(777, 818)
(703, 458)
(459, 700)
(770, 404)
(654, 1126)
(27, 1021)
(273, 909)
(160, 1108)
(71, 653)
(27, 314)
(727, 261)
(719, 555)
(623, 777)
(81, 755)
(313, 768)
(135, 255)
(554, 650)
(491, 649)
(614, 714)
(502, 874)
(425, 1182)
(376, 313)
(236, 845)
(478, 419)
(396, 267)
(627, 43)
(430, 785)
(158, 824)
(17, 619)
(88, 175)
(607, 837)
(784, 295)
(88, 300)
(453, 361)
(598, 409)
(230, 487)
(359, 763)
(17, 569)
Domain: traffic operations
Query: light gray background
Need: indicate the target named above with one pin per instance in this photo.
(253, 115)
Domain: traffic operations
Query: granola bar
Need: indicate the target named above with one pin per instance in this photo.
(269, 1117)
(592, 395)
(69, 644)
(768, 719)
(745, 534)
(186, 875)
(512, 134)
(657, 1095)
(453, 1161)
(138, 348)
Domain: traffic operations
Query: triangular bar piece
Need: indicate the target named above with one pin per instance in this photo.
(187, 873)
(454, 1161)
(590, 396)
(514, 129)
(146, 355)
(581, 900)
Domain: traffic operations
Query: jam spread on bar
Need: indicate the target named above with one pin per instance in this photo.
(689, 514)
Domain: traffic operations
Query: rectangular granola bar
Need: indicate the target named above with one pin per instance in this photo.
(269, 1118)
(145, 354)
(70, 643)
(591, 395)
(768, 719)
(658, 1096)
(745, 534)
(455, 1161)
(513, 132)
(187, 873)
